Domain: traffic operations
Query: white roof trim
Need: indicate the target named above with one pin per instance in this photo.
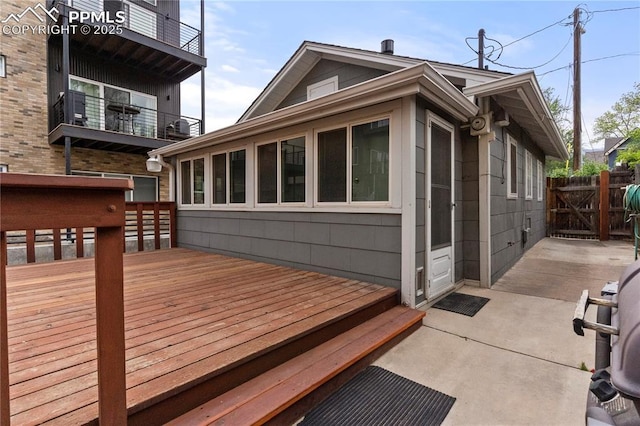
(616, 145)
(529, 93)
(421, 78)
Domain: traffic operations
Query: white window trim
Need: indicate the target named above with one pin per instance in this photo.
(528, 164)
(541, 181)
(349, 125)
(4, 168)
(331, 83)
(511, 141)
(279, 201)
(3, 66)
(117, 176)
(206, 181)
(209, 177)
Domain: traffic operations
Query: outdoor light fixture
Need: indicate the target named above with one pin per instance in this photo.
(154, 164)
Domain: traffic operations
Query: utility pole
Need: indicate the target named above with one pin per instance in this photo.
(481, 48)
(577, 115)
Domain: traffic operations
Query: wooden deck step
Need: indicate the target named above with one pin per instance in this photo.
(289, 390)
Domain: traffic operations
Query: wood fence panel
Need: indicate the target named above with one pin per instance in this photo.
(582, 207)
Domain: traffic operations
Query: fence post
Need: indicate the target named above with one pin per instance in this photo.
(604, 205)
(550, 219)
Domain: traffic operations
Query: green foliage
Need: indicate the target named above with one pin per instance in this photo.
(631, 154)
(559, 115)
(589, 168)
(622, 119)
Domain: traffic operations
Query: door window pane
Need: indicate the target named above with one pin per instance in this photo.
(237, 166)
(185, 175)
(268, 173)
(370, 162)
(198, 181)
(219, 165)
(144, 123)
(115, 101)
(332, 166)
(293, 170)
(440, 187)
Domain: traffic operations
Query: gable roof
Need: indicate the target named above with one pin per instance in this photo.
(418, 79)
(310, 53)
(521, 96)
(611, 144)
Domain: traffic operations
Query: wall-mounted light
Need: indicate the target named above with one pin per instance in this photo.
(154, 165)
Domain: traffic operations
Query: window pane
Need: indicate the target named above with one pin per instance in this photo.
(268, 173)
(198, 181)
(144, 123)
(145, 188)
(237, 167)
(220, 179)
(332, 166)
(514, 170)
(185, 175)
(293, 161)
(370, 162)
(85, 104)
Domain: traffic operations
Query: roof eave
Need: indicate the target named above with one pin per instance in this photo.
(421, 78)
(527, 88)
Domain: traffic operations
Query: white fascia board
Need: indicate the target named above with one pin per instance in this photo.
(616, 146)
(526, 85)
(391, 86)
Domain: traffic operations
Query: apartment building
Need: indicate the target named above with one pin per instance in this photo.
(88, 87)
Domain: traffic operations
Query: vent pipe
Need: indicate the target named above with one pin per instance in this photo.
(386, 47)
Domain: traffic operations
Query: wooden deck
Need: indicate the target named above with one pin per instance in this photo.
(192, 320)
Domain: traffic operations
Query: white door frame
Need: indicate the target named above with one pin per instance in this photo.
(431, 294)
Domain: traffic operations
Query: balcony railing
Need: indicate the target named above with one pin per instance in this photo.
(147, 22)
(103, 114)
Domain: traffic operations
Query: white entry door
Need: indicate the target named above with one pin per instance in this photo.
(440, 206)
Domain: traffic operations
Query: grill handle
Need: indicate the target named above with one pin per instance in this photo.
(579, 323)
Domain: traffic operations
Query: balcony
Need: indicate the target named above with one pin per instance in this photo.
(148, 39)
(110, 125)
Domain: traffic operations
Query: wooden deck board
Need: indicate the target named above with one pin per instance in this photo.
(188, 316)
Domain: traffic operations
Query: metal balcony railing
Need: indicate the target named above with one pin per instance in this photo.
(146, 21)
(103, 114)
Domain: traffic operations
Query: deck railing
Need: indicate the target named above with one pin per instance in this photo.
(148, 225)
(59, 202)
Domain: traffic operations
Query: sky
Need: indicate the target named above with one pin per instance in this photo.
(248, 42)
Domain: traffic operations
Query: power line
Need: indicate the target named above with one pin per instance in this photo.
(590, 60)
(616, 10)
(538, 66)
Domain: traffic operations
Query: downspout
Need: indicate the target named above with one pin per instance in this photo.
(484, 211)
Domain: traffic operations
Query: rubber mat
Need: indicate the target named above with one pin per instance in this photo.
(461, 303)
(379, 397)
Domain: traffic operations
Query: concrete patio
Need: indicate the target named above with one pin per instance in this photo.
(517, 361)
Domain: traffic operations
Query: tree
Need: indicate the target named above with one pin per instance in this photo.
(557, 168)
(622, 119)
(631, 154)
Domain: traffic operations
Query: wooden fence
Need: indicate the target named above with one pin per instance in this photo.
(589, 207)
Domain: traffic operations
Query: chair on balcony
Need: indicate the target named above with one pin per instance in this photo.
(79, 107)
(178, 130)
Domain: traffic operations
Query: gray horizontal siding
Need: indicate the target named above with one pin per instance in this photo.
(366, 247)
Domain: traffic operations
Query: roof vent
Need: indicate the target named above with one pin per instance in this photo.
(386, 47)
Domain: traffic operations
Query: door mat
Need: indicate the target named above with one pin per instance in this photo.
(379, 397)
(461, 303)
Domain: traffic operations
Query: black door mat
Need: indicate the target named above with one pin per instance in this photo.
(461, 303)
(379, 397)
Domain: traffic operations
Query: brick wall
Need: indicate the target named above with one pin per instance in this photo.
(24, 145)
(23, 98)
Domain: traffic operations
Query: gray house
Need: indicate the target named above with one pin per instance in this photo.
(409, 173)
(612, 146)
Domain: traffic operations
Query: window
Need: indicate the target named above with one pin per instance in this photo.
(99, 106)
(365, 147)
(228, 177)
(192, 181)
(139, 19)
(281, 171)
(4, 168)
(268, 173)
(322, 88)
(541, 181)
(528, 175)
(512, 167)
(145, 187)
(219, 169)
(3, 66)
